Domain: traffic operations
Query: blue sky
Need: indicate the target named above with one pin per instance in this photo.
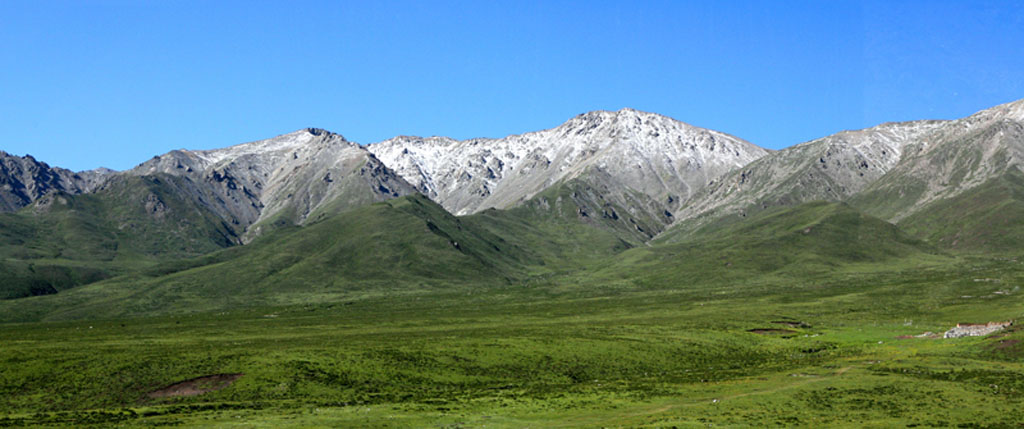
(108, 83)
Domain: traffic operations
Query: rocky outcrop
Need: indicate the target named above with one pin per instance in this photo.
(976, 329)
(24, 180)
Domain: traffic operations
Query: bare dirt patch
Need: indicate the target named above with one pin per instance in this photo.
(929, 334)
(791, 324)
(772, 331)
(196, 386)
(1006, 332)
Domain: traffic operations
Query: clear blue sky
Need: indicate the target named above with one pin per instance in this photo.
(87, 83)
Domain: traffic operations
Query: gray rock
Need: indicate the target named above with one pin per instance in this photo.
(24, 180)
(832, 168)
(285, 180)
(640, 160)
(948, 161)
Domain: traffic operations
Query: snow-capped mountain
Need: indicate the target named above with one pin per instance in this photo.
(950, 160)
(284, 180)
(831, 168)
(634, 171)
(656, 156)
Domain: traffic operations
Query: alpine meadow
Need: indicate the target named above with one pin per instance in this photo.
(511, 214)
(622, 269)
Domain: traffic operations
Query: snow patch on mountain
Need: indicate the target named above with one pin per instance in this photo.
(951, 159)
(831, 168)
(646, 152)
(285, 179)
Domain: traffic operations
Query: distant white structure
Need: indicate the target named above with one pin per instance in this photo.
(976, 329)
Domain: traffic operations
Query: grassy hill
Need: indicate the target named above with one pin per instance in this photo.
(400, 314)
(568, 225)
(806, 240)
(678, 348)
(409, 244)
(986, 219)
(63, 241)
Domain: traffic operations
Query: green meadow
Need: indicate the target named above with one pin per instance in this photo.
(584, 349)
(398, 314)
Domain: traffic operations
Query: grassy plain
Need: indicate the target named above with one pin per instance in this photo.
(398, 314)
(584, 349)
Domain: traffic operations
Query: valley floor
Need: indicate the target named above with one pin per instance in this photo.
(824, 350)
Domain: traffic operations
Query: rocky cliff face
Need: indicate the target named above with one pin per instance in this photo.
(285, 180)
(24, 180)
(629, 151)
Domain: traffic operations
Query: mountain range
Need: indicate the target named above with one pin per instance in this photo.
(310, 210)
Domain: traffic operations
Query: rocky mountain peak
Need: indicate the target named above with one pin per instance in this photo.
(622, 118)
(292, 175)
(24, 180)
(649, 153)
(304, 140)
(1013, 110)
(318, 132)
(100, 171)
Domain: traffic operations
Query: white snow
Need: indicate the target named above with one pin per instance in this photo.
(472, 175)
(294, 141)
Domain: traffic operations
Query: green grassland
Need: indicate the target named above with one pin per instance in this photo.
(131, 223)
(530, 355)
(398, 314)
(989, 218)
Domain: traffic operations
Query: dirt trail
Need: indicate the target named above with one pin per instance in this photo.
(196, 386)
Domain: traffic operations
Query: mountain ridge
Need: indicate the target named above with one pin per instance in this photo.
(640, 162)
(443, 168)
(641, 174)
(949, 161)
(283, 180)
(830, 168)
(24, 180)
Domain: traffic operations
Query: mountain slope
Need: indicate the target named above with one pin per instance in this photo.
(62, 240)
(632, 218)
(959, 186)
(23, 180)
(403, 245)
(798, 241)
(406, 245)
(285, 180)
(645, 162)
(950, 161)
(987, 218)
(832, 168)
